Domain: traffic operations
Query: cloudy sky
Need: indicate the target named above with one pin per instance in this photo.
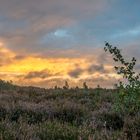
(45, 42)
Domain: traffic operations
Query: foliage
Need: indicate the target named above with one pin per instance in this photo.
(129, 92)
(61, 114)
(6, 85)
(55, 130)
(132, 127)
(111, 120)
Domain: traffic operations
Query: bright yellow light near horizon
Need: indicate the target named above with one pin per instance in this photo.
(30, 64)
(17, 69)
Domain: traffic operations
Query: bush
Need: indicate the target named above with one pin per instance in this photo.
(71, 112)
(3, 113)
(110, 120)
(56, 131)
(129, 105)
(4, 133)
(129, 92)
(15, 114)
(132, 128)
(31, 116)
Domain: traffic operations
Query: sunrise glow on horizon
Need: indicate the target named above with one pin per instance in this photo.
(45, 43)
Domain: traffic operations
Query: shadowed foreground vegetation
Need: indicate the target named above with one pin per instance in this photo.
(31, 113)
(66, 114)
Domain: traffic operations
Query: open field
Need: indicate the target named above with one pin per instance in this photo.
(29, 113)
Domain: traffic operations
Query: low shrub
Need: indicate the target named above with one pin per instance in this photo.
(109, 120)
(5, 134)
(132, 128)
(57, 131)
(71, 112)
(3, 113)
(31, 116)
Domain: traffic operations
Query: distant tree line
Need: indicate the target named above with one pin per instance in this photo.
(84, 86)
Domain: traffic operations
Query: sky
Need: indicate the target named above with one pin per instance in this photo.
(47, 42)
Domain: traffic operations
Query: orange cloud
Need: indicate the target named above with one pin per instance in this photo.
(35, 70)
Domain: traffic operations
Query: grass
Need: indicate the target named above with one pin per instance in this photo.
(29, 113)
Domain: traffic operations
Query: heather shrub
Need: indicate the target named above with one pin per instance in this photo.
(57, 131)
(15, 114)
(3, 113)
(131, 128)
(5, 134)
(71, 112)
(33, 117)
(30, 116)
(86, 130)
(109, 120)
(20, 130)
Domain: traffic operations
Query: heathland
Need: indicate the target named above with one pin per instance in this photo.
(32, 113)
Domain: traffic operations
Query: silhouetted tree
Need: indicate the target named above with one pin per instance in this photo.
(98, 86)
(66, 86)
(55, 87)
(76, 87)
(85, 85)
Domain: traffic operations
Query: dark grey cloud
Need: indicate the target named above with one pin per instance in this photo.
(19, 57)
(93, 68)
(19, 9)
(38, 74)
(96, 68)
(23, 24)
(76, 73)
